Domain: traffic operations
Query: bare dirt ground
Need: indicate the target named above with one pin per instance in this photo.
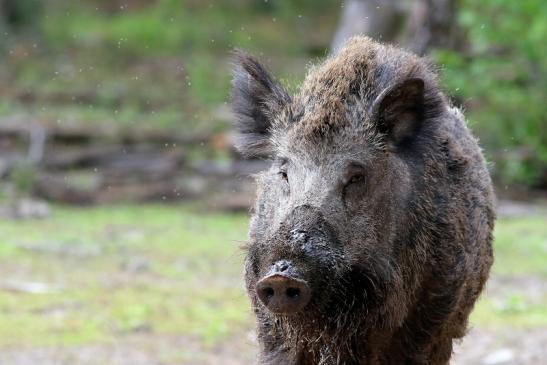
(480, 347)
(516, 347)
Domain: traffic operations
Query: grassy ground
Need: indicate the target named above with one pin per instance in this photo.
(98, 276)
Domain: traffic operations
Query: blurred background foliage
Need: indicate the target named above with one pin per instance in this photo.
(167, 63)
(502, 82)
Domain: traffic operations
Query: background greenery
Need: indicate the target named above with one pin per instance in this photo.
(502, 81)
(166, 63)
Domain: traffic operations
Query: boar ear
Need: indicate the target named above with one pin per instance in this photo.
(399, 110)
(256, 98)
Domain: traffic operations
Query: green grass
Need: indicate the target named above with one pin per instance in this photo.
(190, 278)
(510, 311)
(521, 263)
(521, 246)
(191, 284)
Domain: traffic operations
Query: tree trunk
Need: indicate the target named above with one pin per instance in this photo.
(417, 25)
(379, 19)
(433, 24)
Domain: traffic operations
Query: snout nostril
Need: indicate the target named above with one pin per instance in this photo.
(293, 293)
(269, 292)
(283, 294)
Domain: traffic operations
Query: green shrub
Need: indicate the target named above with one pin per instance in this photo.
(502, 80)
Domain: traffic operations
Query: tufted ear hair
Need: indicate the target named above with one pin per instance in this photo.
(399, 111)
(256, 98)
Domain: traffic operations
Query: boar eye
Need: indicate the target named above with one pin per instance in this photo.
(353, 186)
(357, 178)
(284, 176)
(354, 174)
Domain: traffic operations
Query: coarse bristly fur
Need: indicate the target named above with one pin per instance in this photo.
(379, 197)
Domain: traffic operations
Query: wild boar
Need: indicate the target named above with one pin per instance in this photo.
(371, 237)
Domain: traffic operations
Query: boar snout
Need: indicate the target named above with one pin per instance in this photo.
(281, 292)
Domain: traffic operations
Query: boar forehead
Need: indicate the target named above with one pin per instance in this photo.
(329, 154)
(319, 143)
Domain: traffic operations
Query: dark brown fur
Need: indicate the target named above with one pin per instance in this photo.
(380, 175)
